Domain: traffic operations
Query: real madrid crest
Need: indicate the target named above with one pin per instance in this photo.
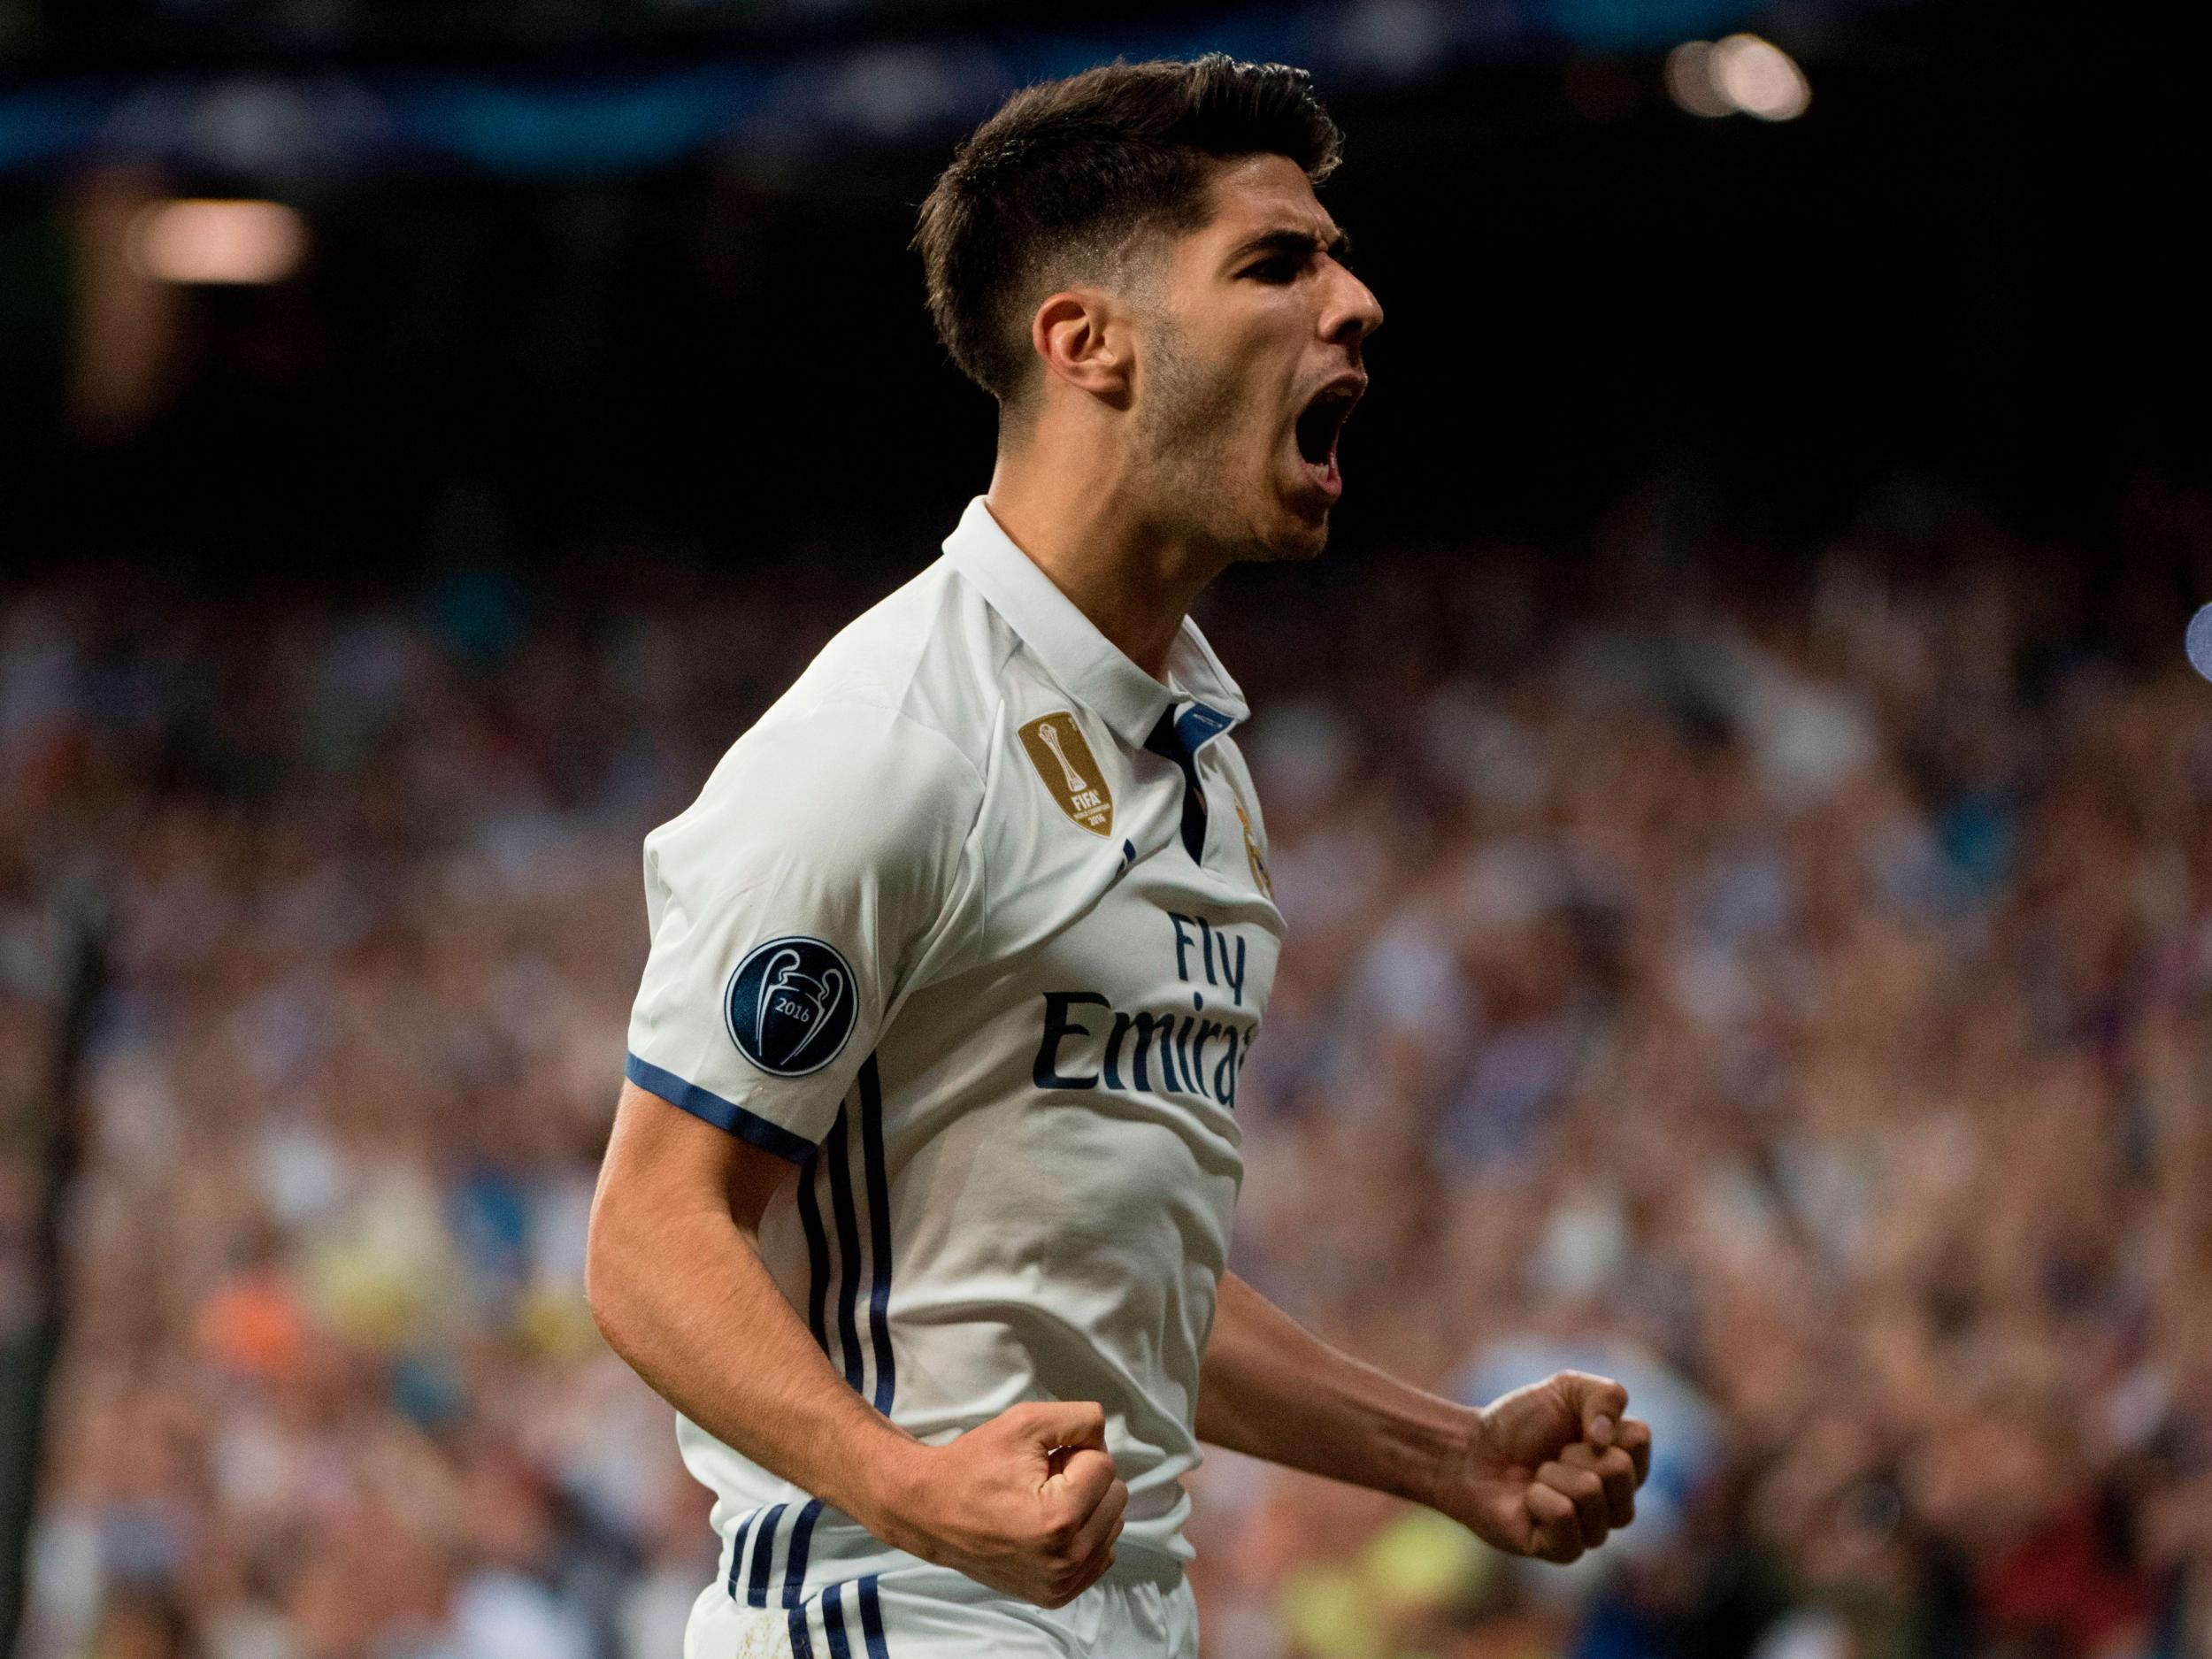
(1055, 748)
(1261, 880)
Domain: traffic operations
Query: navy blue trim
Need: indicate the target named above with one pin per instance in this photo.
(834, 1622)
(817, 1253)
(1169, 742)
(794, 1558)
(1198, 725)
(802, 1644)
(737, 1551)
(757, 1591)
(841, 1180)
(872, 1618)
(725, 1115)
(878, 1230)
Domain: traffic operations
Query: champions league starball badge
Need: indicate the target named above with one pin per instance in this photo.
(791, 1006)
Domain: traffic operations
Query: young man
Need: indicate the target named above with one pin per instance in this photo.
(919, 1198)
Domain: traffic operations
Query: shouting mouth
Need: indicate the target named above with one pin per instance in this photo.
(1320, 424)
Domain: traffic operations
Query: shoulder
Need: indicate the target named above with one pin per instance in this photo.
(925, 662)
(879, 750)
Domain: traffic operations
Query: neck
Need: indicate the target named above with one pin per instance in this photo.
(1076, 510)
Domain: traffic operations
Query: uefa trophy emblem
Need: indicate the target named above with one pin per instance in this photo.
(791, 1005)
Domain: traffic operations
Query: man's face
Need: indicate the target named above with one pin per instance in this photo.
(1248, 360)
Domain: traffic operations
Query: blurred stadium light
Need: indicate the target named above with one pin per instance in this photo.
(1759, 78)
(243, 242)
(1690, 80)
(1742, 75)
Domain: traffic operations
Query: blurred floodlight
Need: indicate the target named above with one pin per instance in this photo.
(1759, 78)
(218, 242)
(2199, 641)
(1742, 72)
(1690, 80)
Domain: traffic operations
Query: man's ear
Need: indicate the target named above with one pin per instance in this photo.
(1085, 343)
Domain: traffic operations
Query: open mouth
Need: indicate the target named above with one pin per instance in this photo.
(1322, 421)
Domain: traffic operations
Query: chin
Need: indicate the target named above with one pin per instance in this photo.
(1301, 530)
(1277, 524)
(1291, 544)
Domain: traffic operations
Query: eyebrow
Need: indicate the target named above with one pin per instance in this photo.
(1286, 240)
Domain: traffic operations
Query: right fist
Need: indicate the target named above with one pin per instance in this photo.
(1027, 1503)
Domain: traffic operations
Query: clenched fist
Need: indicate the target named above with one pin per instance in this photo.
(1549, 1470)
(1027, 1503)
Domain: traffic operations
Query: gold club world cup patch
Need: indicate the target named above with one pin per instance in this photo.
(1055, 748)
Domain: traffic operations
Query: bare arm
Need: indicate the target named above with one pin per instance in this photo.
(676, 1283)
(1544, 1471)
(1272, 1389)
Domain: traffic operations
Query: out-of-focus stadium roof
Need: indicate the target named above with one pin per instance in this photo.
(280, 87)
(97, 32)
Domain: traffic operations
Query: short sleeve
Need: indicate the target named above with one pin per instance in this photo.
(787, 906)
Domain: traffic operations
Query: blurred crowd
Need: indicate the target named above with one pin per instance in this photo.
(1775, 970)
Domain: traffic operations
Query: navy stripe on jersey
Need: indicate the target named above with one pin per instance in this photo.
(834, 1155)
(723, 1114)
(834, 1151)
(795, 1566)
(756, 1590)
(872, 1618)
(737, 1552)
(817, 1253)
(878, 1230)
(802, 1644)
(834, 1622)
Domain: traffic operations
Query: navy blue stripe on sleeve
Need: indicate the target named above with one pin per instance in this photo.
(737, 1554)
(724, 1114)
(795, 1562)
(817, 1255)
(841, 1185)
(834, 1622)
(757, 1591)
(871, 1619)
(878, 1230)
(802, 1644)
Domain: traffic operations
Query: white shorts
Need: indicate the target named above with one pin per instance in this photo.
(934, 1613)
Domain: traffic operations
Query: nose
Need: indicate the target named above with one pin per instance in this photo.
(1353, 312)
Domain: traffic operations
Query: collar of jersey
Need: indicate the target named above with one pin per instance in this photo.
(1074, 652)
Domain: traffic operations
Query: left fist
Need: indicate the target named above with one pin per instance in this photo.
(1549, 1470)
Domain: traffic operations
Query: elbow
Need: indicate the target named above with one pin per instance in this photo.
(603, 1275)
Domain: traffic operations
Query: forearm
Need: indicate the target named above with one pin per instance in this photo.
(1271, 1388)
(686, 1300)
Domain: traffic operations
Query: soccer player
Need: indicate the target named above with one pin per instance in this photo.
(917, 1202)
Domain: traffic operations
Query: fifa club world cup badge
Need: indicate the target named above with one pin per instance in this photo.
(791, 1005)
(1055, 748)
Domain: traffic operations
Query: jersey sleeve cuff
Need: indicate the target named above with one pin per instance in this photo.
(723, 1114)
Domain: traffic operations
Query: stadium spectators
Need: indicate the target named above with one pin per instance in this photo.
(1790, 990)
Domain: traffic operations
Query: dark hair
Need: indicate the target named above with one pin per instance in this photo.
(1052, 187)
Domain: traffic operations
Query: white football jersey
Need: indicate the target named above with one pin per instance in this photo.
(974, 927)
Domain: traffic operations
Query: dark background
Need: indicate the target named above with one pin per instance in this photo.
(1977, 257)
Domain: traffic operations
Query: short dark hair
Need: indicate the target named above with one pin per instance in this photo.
(1052, 187)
